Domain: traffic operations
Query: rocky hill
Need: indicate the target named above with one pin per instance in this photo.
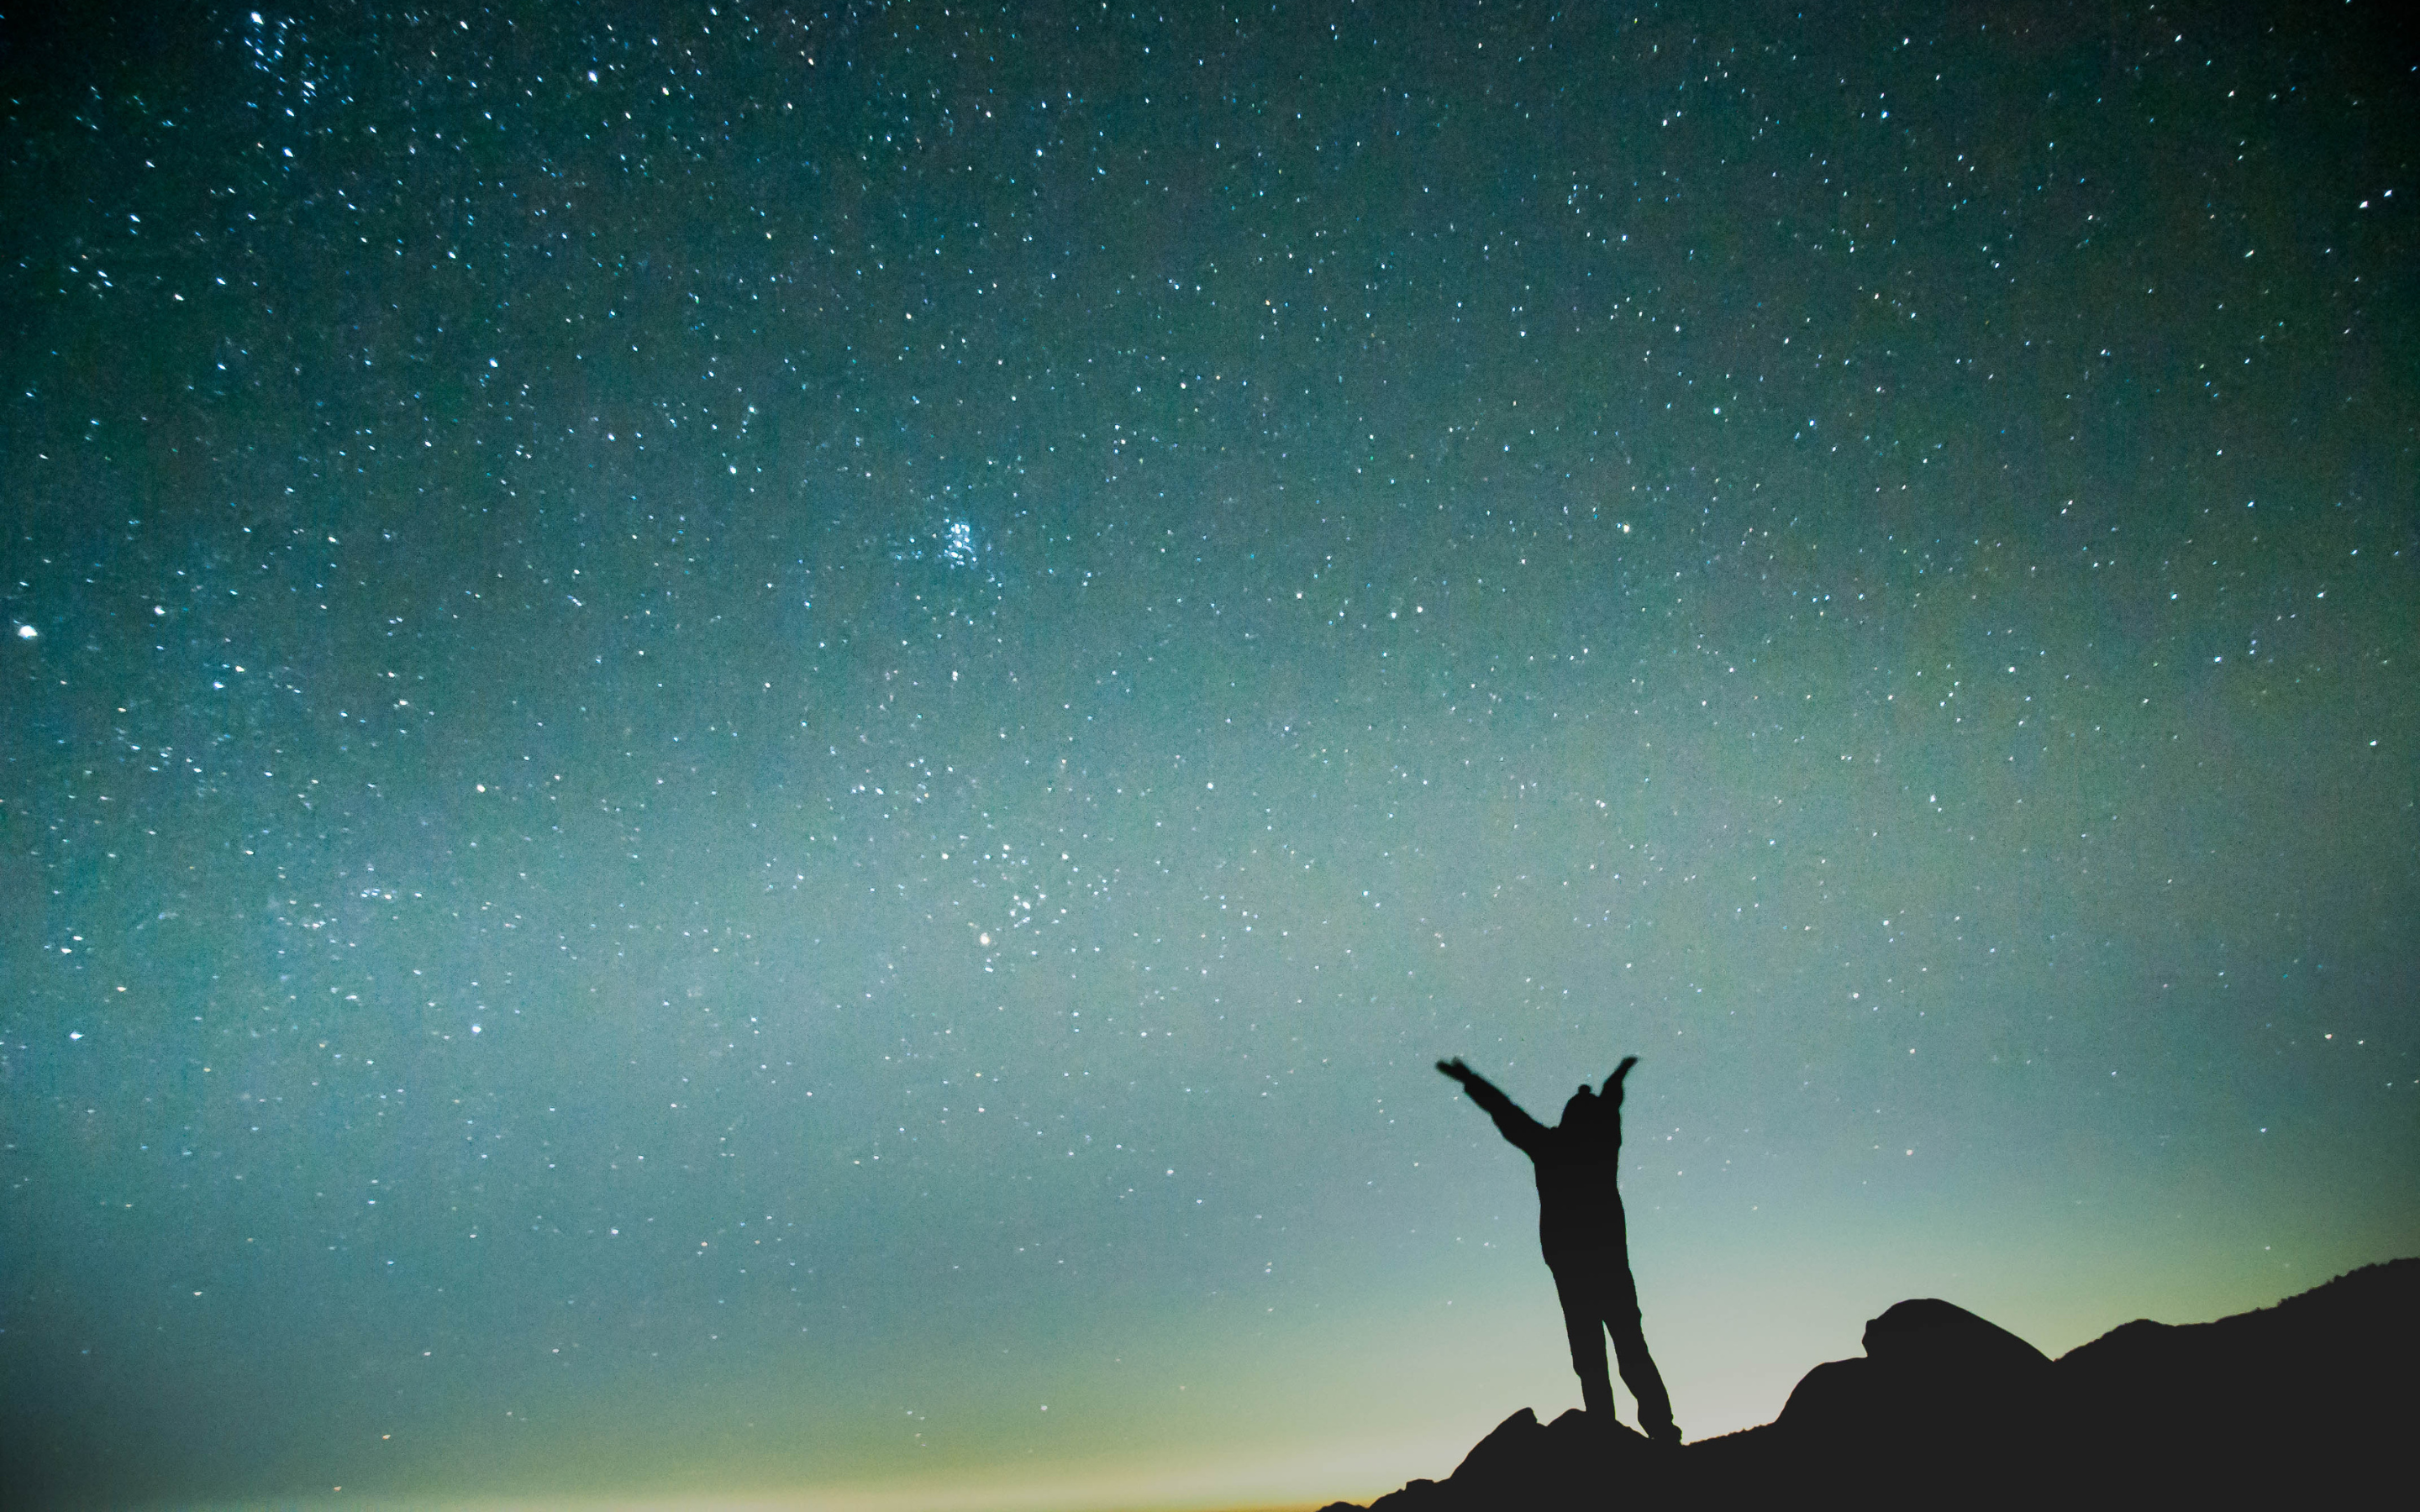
(2306, 1403)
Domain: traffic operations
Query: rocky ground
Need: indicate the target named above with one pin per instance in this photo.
(2310, 1402)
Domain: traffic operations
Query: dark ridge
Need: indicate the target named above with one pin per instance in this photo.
(2307, 1403)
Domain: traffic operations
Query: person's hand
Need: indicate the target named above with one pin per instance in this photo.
(1455, 1069)
(1613, 1082)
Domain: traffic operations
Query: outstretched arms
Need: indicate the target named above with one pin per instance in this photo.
(1522, 1130)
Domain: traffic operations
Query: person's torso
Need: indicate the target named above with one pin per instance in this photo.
(1580, 1208)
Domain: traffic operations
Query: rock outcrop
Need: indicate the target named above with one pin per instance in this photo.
(2304, 1403)
(1523, 1462)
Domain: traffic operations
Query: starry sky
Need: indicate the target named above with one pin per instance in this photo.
(757, 752)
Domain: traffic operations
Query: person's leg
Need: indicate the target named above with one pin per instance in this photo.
(1638, 1370)
(1582, 1324)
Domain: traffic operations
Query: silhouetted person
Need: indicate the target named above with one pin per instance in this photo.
(1588, 1248)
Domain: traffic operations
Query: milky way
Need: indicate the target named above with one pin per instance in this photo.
(752, 750)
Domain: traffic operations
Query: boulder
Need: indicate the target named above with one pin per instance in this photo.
(1930, 1370)
(1524, 1463)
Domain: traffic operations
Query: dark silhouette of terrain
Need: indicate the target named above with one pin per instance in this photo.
(1581, 1228)
(2308, 1403)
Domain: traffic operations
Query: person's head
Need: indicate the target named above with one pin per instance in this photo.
(1581, 1109)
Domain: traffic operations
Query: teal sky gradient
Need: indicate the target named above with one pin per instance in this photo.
(756, 755)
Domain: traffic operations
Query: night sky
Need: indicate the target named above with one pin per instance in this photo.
(758, 752)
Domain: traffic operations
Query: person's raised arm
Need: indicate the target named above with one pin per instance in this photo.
(1522, 1130)
(1613, 1082)
(1604, 1128)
